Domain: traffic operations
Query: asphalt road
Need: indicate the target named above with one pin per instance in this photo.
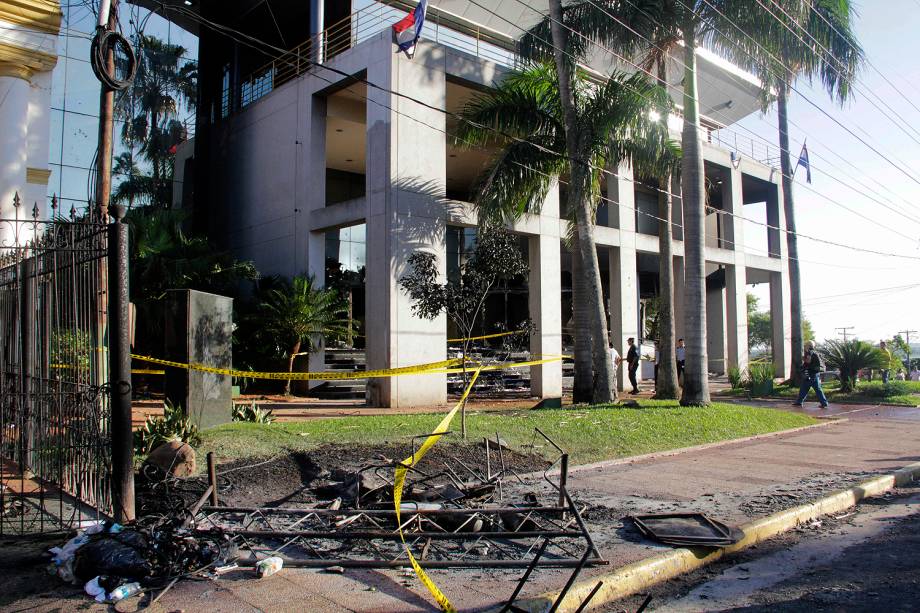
(868, 560)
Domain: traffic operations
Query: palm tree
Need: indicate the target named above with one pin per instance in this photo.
(134, 187)
(849, 357)
(629, 25)
(813, 39)
(163, 84)
(299, 314)
(524, 115)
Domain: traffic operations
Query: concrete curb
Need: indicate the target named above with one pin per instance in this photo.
(643, 574)
(673, 452)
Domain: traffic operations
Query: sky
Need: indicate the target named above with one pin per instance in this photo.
(877, 295)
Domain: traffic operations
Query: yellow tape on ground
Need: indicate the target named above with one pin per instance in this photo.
(306, 376)
(400, 481)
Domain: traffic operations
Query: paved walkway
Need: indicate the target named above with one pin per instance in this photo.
(732, 482)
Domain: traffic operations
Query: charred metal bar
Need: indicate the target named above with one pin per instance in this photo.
(549, 440)
(589, 597)
(563, 477)
(533, 564)
(644, 604)
(568, 584)
(348, 563)
(581, 523)
(283, 511)
(212, 478)
(394, 536)
(204, 498)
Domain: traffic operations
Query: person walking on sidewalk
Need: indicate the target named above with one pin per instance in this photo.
(632, 362)
(811, 376)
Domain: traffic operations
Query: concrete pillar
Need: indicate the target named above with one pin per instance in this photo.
(780, 307)
(313, 197)
(406, 186)
(679, 297)
(14, 123)
(544, 294)
(37, 172)
(736, 325)
(716, 346)
(624, 282)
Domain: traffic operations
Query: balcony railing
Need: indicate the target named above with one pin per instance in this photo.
(440, 27)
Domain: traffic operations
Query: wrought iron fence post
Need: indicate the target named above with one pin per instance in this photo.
(27, 323)
(120, 370)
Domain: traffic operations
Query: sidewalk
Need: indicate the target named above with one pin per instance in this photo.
(734, 482)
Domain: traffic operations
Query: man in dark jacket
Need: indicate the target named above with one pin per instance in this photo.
(811, 376)
(632, 361)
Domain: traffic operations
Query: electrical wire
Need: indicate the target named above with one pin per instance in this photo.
(803, 96)
(646, 71)
(252, 41)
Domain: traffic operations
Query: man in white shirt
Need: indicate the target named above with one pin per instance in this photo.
(615, 359)
(680, 354)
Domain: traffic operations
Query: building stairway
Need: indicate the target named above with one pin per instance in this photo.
(343, 360)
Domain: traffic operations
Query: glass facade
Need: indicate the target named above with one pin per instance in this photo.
(75, 101)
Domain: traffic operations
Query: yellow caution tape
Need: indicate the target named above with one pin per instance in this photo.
(400, 481)
(147, 371)
(306, 376)
(479, 338)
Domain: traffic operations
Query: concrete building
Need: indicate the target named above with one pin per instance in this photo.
(304, 167)
(27, 57)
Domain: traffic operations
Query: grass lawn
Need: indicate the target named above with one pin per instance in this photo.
(901, 393)
(587, 433)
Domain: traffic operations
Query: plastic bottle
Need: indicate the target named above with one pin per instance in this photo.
(269, 566)
(123, 591)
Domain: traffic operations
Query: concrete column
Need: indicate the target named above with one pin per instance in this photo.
(406, 186)
(624, 282)
(735, 275)
(679, 297)
(14, 122)
(39, 127)
(313, 150)
(716, 346)
(545, 299)
(780, 307)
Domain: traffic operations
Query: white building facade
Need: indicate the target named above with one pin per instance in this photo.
(27, 57)
(291, 162)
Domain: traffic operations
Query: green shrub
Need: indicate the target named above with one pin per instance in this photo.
(877, 389)
(173, 426)
(849, 357)
(735, 377)
(252, 413)
(760, 373)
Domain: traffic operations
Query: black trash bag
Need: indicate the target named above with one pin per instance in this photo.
(119, 555)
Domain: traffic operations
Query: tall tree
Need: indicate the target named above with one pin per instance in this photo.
(164, 84)
(629, 25)
(811, 39)
(612, 123)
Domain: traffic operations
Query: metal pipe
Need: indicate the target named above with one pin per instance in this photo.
(525, 576)
(394, 536)
(282, 511)
(589, 597)
(346, 563)
(212, 478)
(120, 370)
(317, 26)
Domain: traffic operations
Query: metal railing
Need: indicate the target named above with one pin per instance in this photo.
(745, 146)
(440, 27)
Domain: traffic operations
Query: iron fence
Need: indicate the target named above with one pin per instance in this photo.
(55, 443)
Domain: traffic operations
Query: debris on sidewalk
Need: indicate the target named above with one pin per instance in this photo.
(687, 529)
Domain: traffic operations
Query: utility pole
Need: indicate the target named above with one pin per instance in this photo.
(907, 334)
(843, 331)
(108, 18)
